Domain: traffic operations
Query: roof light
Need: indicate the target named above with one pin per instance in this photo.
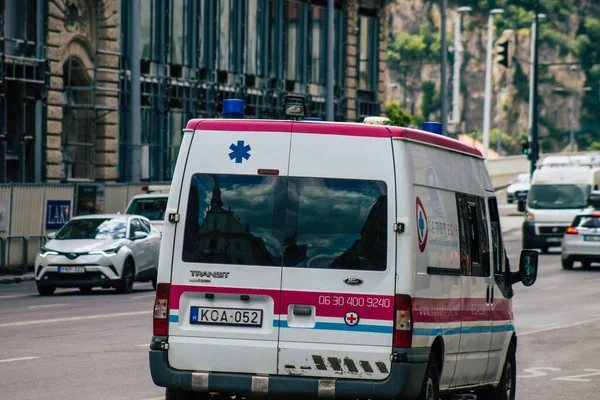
(294, 107)
(433, 127)
(376, 120)
(233, 108)
(313, 119)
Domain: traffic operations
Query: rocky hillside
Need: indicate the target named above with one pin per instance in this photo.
(413, 58)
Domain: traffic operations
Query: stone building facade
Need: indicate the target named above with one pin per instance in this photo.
(194, 55)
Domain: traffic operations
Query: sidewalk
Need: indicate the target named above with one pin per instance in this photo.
(16, 278)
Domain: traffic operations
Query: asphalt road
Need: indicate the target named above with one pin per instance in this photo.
(76, 346)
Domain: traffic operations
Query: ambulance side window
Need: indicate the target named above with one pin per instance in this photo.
(474, 244)
(497, 245)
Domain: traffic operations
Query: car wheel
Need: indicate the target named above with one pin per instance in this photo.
(46, 290)
(431, 383)
(180, 394)
(154, 283)
(586, 264)
(127, 277)
(506, 388)
(544, 250)
(85, 289)
(510, 201)
(567, 264)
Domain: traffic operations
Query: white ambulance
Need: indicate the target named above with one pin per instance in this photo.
(332, 260)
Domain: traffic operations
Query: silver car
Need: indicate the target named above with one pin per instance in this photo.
(103, 250)
(581, 242)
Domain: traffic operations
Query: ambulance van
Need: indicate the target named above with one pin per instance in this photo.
(332, 260)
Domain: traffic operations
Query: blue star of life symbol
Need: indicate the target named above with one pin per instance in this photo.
(421, 224)
(239, 151)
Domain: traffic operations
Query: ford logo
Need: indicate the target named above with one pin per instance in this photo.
(353, 281)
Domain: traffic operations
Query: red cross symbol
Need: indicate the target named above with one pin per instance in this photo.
(351, 318)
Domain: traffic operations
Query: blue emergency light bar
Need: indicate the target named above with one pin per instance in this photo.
(433, 127)
(232, 108)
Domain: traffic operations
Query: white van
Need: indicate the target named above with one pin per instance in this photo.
(338, 260)
(150, 204)
(555, 196)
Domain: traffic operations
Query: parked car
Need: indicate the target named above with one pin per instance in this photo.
(517, 188)
(103, 250)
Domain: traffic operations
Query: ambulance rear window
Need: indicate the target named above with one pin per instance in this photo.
(290, 222)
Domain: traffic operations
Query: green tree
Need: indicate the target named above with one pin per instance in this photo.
(398, 116)
(430, 102)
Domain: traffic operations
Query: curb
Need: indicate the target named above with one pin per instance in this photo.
(16, 279)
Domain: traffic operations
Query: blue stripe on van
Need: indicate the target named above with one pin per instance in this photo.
(173, 318)
(464, 330)
(333, 326)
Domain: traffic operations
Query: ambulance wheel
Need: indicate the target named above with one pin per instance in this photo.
(180, 394)
(507, 387)
(431, 384)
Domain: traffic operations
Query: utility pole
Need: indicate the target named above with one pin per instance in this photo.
(499, 106)
(443, 90)
(487, 105)
(458, 58)
(135, 118)
(534, 153)
(330, 59)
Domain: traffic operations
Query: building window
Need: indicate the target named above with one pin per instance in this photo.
(252, 20)
(223, 32)
(208, 40)
(368, 52)
(237, 28)
(295, 46)
(178, 27)
(176, 130)
(147, 27)
(318, 45)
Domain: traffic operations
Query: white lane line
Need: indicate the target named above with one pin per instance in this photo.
(48, 305)
(549, 287)
(143, 345)
(555, 327)
(592, 280)
(156, 398)
(17, 359)
(144, 296)
(15, 296)
(73, 319)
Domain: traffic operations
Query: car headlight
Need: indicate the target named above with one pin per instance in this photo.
(45, 252)
(108, 252)
(529, 216)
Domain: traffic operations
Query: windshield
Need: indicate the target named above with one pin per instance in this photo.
(557, 197)
(151, 208)
(93, 228)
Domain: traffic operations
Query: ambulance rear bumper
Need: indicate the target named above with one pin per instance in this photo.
(404, 381)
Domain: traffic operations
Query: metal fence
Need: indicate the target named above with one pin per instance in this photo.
(25, 221)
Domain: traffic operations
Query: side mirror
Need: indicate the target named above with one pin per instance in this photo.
(51, 235)
(521, 205)
(528, 267)
(139, 235)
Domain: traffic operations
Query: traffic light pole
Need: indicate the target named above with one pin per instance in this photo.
(535, 148)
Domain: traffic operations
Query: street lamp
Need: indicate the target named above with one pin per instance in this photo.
(532, 69)
(488, 83)
(458, 53)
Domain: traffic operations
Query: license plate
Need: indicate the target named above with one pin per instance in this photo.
(226, 316)
(71, 270)
(591, 238)
(554, 240)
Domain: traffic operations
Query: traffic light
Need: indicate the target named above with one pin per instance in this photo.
(503, 53)
(525, 147)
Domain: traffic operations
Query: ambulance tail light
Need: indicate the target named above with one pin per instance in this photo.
(161, 310)
(571, 231)
(403, 328)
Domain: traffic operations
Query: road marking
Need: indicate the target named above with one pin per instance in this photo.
(592, 280)
(552, 328)
(15, 296)
(145, 296)
(549, 287)
(17, 359)
(73, 319)
(156, 398)
(142, 345)
(537, 372)
(48, 305)
(577, 378)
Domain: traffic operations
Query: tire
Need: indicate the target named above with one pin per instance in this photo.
(430, 390)
(567, 264)
(180, 394)
(46, 290)
(85, 289)
(125, 286)
(586, 264)
(510, 201)
(544, 250)
(506, 388)
(154, 283)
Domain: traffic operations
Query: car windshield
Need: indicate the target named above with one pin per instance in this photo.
(93, 228)
(556, 197)
(151, 208)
